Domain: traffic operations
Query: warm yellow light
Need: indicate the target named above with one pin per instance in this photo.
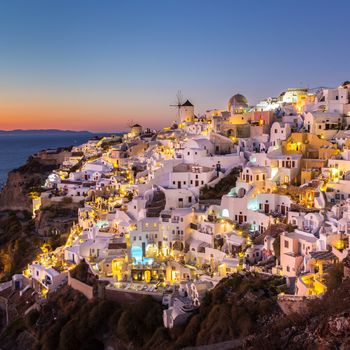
(339, 244)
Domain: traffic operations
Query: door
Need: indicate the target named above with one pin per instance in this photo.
(283, 209)
(179, 184)
(267, 208)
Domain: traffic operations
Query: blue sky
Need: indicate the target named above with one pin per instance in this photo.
(105, 62)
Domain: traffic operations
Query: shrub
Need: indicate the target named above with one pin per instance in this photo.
(67, 200)
(334, 276)
(31, 318)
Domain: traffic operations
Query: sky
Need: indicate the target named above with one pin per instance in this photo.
(99, 65)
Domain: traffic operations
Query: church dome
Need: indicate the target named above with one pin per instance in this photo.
(237, 101)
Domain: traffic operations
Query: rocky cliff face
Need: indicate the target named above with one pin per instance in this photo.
(28, 178)
(19, 241)
(56, 219)
(14, 195)
(323, 324)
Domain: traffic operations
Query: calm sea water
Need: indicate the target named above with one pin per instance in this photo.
(15, 149)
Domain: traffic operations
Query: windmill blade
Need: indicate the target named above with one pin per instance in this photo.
(179, 98)
(179, 103)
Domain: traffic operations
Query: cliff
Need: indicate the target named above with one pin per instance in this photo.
(28, 178)
(18, 243)
(56, 219)
(19, 233)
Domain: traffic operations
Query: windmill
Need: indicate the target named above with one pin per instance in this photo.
(180, 101)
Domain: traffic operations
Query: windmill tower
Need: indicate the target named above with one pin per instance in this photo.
(185, 110)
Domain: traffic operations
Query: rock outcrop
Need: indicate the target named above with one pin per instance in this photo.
(29, 177)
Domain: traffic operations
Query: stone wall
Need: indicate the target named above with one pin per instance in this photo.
(81, 287)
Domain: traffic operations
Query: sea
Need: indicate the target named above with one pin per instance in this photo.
(16, 148)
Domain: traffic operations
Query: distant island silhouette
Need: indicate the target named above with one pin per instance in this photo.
(43, 131)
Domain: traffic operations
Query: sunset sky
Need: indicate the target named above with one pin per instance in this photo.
(97, 65)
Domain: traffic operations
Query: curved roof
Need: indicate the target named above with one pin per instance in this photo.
(237, 101)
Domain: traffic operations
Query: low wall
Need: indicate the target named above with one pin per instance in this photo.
(290, 304)
(128, 296)
(81, 287)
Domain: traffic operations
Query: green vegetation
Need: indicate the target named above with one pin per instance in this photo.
(82, 273)
(77, 166)
(108, 144)
(69, 321)
(18, 246)
(334, 276)
(242, 307)
(222, 187)
(231, 310)
(277, 246)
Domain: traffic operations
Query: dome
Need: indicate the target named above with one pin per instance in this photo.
(237, 101)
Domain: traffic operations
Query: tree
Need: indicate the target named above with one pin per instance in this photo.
(335, 276)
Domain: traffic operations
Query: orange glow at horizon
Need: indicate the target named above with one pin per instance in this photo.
(76, 117)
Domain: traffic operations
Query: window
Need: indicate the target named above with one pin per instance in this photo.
(134, 238)
(288, 269)
(286, 244)
(189, 201)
